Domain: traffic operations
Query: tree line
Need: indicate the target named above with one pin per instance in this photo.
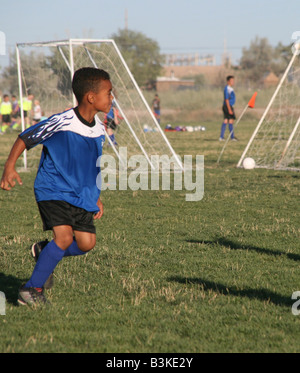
(144, 59)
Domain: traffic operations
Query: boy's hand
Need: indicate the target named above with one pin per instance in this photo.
(8, 178)
(10, 174)
(99, 214)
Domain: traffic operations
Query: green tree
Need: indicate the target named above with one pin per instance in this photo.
(141, 54)
(56, 63)
(32, 71)
(9, 76)
(281, 58)
(257, 59)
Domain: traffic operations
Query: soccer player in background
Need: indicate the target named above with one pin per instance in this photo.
(112, 121)
(5, 111)
(65, 186)
(228, 110)
(27, 109)
(156, 107)
(16, 116)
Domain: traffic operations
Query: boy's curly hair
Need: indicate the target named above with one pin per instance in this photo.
(87, 79)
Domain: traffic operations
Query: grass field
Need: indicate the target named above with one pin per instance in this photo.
(166, 275)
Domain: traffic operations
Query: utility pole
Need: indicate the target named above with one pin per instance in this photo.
(126, 19)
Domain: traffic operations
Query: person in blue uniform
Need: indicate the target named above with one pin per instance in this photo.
(156, 107)
(228, 110)
(65, 186)
(111, 122)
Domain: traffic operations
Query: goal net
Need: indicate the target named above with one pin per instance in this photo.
(275, 143)
(45, 70)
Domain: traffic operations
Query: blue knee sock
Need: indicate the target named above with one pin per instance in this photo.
(113, 140)
(231, 130)
(48, 259)
(223, 129)
(73, 250)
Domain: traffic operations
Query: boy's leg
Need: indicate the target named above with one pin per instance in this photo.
(73, 250)
(4, 127)
(112, 137)
(157, 112)
(36, 249)
(86, 241)
(231, 128)
(50, 256)
(62, 245)
(83, 243)
(223, 128)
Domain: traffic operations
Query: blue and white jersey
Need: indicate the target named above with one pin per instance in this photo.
(67, 170)
(229, 95)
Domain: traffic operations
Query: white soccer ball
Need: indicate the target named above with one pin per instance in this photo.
(248, 163)
(203, 128)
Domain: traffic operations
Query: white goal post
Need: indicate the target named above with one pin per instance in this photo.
(275, 142)
(46, 69)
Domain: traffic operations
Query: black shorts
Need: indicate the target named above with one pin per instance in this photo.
(6, 118)
(15, 115)
(111, 124)
(226, 113)
(54, 213)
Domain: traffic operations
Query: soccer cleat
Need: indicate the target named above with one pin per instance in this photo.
(32, 296)
(221, 139)
(36, 249)
(234, 139)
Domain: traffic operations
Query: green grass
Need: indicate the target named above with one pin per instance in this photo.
(166, 275)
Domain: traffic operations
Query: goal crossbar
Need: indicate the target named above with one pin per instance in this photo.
(67, 45)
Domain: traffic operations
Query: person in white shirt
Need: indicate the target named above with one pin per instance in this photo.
(37, 112)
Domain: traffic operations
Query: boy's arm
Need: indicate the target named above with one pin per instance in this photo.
(99, 214)
(226, 96)
(10, 174)
(228, 107)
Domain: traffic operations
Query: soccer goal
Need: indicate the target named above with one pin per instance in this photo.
(46, 69)
(275, 142)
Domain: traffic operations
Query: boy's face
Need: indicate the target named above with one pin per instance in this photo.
(102, 100)
(231, 82)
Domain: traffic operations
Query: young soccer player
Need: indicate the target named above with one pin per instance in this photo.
(65, 185)
(112, 121)
(37, 112)
(5, 110)
(156, 107)
(228, 110)
(16, 116)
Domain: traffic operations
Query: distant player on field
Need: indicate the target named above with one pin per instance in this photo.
(228, 110)
(65, 185)
(111, 122)
(156, 107)
(5, 111)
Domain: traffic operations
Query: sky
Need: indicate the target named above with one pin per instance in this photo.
(189, 26)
